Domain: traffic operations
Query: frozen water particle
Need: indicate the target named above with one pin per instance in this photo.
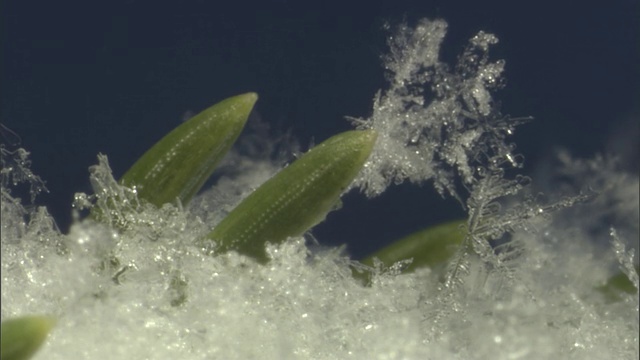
(15, 169)
(625, 258)
(433, 112)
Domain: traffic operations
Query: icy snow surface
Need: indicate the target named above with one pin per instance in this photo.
(140, 288)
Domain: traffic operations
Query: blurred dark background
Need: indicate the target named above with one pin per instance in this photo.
(82, 77)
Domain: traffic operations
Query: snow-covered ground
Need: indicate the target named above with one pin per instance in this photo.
(151, 292)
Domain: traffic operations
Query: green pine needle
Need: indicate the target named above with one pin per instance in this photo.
(295, 199)
(179, 164)
(430, 247)
(21, 337)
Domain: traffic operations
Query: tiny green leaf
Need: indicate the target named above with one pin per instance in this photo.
(616, 286)
(178, 165)
(295, 199)
(21, 337)
(429, 247)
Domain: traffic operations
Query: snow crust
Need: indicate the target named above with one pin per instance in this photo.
(139, 286)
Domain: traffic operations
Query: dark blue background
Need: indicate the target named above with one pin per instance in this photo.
(82, 77)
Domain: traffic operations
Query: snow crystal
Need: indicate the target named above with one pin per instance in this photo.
(625, 258)
(435, 122)
(16, 169)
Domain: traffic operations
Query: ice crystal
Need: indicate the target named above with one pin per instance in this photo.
(115, 204)
(625, 258)
(435, 121)
(438, 122)
(16, 169)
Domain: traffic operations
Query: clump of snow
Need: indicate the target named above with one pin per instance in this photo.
(138, 284)
(435, 122)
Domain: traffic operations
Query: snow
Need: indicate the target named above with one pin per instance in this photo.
(435, 120)
(138, 285)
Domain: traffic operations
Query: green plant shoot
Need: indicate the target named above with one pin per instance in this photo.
(21, 337)
(295, 199)
(179, 164)
(616, 286)
(429, 247)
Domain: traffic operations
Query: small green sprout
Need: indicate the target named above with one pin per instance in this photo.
(179, 164)
(617, 286)
(295, 199)
(430, 247)
(21, 337)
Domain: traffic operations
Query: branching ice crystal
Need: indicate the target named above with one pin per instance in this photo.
(16, 169)
(435, 122)
(115, 204)
(438, 122)
(625, 258)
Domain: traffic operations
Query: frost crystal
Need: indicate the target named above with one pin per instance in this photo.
(625, 258)
(435, 122)
(15, 170)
